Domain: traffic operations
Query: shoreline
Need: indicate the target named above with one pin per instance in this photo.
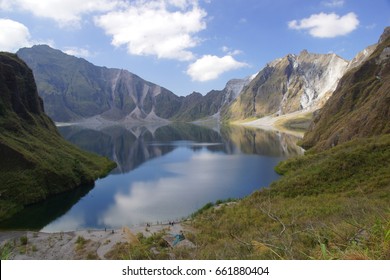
(278, 123)
(96, 243)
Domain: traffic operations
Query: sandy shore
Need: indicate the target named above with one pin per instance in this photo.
(275, 123)
(64, 245)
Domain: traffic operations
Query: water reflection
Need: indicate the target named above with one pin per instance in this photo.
(163, 173)
(130, 147)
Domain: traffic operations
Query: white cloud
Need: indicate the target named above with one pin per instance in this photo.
(79, 52)
(326, 25)
(65, 13)
(231, 52)
(164, 28)
(334, 3)
(210, 67)
(225, 49)
(13, 35)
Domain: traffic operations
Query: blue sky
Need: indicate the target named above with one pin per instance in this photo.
(192, 45)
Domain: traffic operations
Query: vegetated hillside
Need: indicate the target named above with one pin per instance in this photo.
(360, 106)
(287, 85)
(35, 162)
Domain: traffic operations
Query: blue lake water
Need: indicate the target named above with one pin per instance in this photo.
(164, 173)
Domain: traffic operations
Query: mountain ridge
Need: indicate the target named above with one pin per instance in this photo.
(74, 89)
(293, 83)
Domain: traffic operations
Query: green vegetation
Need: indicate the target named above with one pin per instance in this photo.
(80, 243)
(153, 247)
(332, 205)
(300, 123)
(23, 240)
(5, 251)
(210, 205)
(35, 161)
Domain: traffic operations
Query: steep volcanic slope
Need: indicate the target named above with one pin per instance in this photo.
(72, 88)
(289, 84)
(360, 106)
(35, 162)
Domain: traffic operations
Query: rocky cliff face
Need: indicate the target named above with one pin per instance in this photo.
(289, 84)
(16, 81)
(360, 106)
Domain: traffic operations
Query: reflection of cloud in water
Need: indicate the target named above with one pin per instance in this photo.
(169, 197)
(65, 223)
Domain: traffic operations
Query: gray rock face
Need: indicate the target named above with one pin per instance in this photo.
(73, 89)
(289, 84)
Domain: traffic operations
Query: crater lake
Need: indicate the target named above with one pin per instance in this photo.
(164, 173)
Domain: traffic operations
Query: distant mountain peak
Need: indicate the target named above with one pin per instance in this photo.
(385, 34)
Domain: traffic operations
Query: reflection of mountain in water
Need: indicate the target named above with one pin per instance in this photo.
(260, 142)
(130, 147)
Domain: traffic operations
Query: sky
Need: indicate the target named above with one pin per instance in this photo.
(192, 45)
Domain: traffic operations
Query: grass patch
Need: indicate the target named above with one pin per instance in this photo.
(80, 243)
(153, 247)
(23, 240)
(5, 251)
